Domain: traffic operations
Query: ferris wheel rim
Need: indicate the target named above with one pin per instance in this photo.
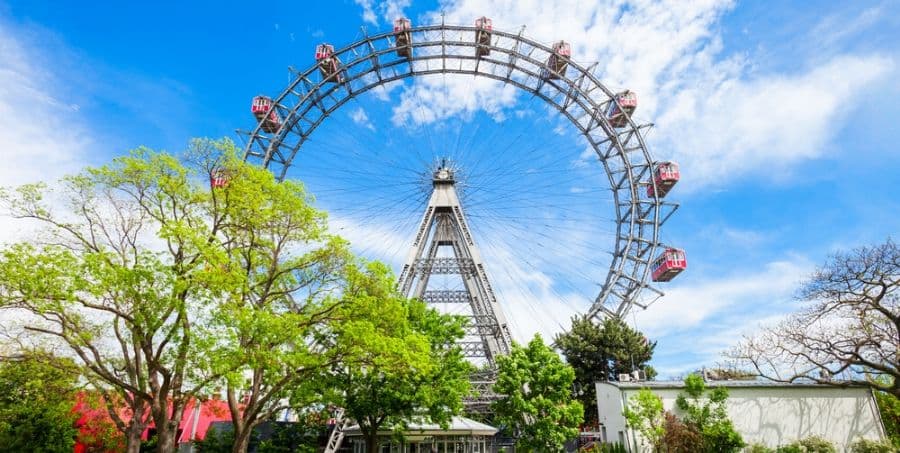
(639, 217)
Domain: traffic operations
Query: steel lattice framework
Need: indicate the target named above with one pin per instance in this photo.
(576, 94)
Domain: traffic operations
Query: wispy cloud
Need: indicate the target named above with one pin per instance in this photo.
(388, 10)
(360, 117)
(695, 323)
(741, 121)
(44, 134)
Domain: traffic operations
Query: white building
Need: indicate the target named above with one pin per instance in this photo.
(763, 412)
(463, 435)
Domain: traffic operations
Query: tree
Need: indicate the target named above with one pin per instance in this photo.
(704, 410)
(36, 402)
(162, 287)
(848, 329)
(889, 407)
(537, 397)
(644, 413)
(401, 361)
(279, 274)
(600, 352)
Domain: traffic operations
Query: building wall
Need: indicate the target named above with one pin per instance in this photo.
(610, 406)
(775, 415)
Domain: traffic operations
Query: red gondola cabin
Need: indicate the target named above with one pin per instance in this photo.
(218, 178)
(665, 175)
(483, 28)
(669, 264)
(559, 60)
(262, 108)
(628, 101)
(329, 64)
(403, 37)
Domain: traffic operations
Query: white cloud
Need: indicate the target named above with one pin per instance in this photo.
(360, 117)
(389, 10)
(695, 323)
(764, 125)
(436, 98)
(44, 135)
(715, 113)
(686, 307)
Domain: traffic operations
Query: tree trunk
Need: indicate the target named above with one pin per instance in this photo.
(165, 438)
(241, 441)
(372, 441)
(133, 438)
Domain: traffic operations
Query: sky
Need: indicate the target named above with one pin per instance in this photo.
(783, 119)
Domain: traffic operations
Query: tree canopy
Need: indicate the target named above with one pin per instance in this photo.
(164, 288)
(537, 401)
(401, 362)
(600, 352)
(36, 402)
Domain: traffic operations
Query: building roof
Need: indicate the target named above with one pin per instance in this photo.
(458, 426)
(729, 384)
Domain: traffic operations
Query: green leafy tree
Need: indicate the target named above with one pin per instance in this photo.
(537, 401)
(401, 362)
(37, 395)
(191, 286)
(704, 409)
(600, 352)
(644, 413)
(280, 275)
(889, 407)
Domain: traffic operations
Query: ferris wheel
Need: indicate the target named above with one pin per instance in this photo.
(560, 190)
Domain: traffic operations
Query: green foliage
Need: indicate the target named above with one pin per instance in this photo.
(216, 441)
(37, 395)
(600, 352)
(812, 444)
(644, 413)
(759, 448)
(400, 361)
(872, 446)
(605, 448)
(191, 286)
(537, 397)
(705, 410)
(889, 407)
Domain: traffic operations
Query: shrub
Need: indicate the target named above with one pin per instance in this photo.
(872, 446)
(704, 410)
(812, 444)
(680, 437)
(605, 448)
(759, 448)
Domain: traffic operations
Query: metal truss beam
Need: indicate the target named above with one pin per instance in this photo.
(516, 60)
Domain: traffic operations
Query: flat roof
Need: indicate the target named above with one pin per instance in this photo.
(736, 383)
(458, 426)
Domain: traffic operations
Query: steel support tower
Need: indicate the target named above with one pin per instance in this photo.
(444, 245)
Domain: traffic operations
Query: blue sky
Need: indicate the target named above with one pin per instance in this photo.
(784, 120)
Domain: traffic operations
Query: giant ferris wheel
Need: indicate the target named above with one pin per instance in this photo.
(549, 190)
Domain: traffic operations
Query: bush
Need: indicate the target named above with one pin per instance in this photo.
(680, 437)
(704, 410)
(872, 446)
(812, 444)
(759, 448)
(605, 448)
